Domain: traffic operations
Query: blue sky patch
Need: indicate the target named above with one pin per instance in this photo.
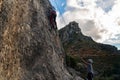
(59, 5)
(117, 45)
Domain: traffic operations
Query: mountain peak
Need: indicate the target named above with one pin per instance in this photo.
(72, 27)
(73, 39)
(70, 31)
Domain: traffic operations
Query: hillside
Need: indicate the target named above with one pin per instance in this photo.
(106, 57)
(28, 49)
(75, 42)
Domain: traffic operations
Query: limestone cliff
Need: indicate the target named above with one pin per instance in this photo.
(28, 50)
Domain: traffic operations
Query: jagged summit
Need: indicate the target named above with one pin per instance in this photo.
(72, 27)
(72, 32)
(28, 49)
(69, 31)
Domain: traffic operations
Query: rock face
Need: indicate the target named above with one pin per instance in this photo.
(28, 50)
(76, 43)
(67, 33)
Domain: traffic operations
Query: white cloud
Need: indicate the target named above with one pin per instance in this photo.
(91, 29)
(100, 20)
(106, 5)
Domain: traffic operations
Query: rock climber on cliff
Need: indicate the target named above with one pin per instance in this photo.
(52, 17)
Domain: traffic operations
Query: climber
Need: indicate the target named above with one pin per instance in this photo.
(52, 17)
(89, 68)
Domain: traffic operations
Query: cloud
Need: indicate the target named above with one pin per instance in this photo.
(99, 19)
(90, 28)
(106, 5)
(114, 41)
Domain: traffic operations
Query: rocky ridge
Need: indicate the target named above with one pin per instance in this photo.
(76, 43)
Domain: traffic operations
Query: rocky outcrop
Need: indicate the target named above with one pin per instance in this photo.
(72, 32)
(29, 50)
(67, 33)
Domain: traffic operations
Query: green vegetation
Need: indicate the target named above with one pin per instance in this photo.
(106, 67)
(71, 62)
(105, 57)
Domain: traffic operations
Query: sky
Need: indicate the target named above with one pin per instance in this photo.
(99, 19)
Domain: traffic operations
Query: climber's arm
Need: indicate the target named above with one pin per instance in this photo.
(86, 63)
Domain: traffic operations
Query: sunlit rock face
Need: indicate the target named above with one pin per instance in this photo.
(29, 50)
